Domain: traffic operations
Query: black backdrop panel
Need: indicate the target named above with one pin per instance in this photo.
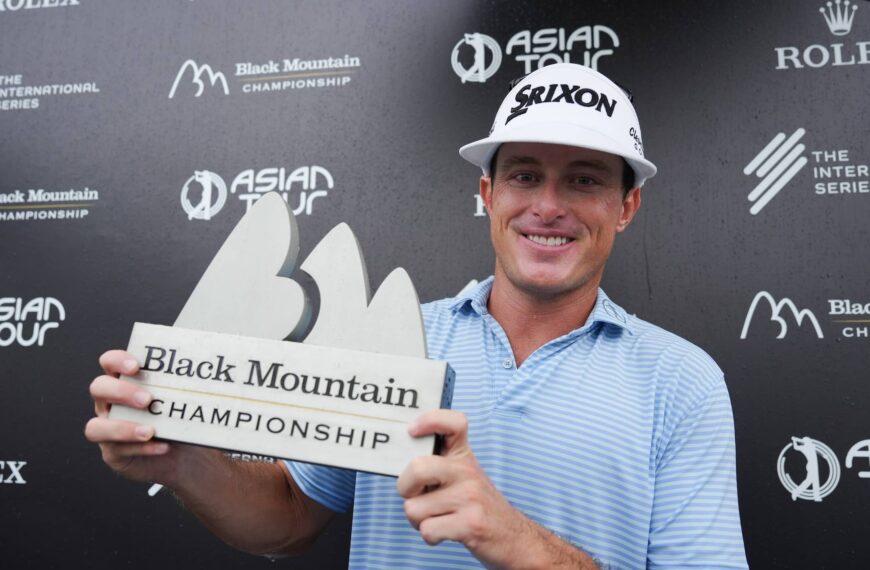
(110, 110)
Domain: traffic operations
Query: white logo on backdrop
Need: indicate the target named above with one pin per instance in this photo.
(853, 328)
(860, 450)
(479, 70)
(311, 182)
(836, 171)
(300, 187)
(839, 16)
(811, 488)
(534, 49)
(16, 94)
(776, 165)
(26, 322)
(776, 308)
(40, 204)
(13, 468)
(212, 198)
(197, 71)
(15, 5)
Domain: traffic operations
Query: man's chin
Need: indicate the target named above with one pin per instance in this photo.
(550, 286)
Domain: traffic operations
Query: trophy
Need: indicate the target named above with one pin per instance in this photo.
(224, 376)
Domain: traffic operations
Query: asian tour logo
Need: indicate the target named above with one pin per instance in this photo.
(820, 473)
(212, 196)
(811, 488)
(860, 450)
(839, 17)
(477, 57)
(204, 194)
(487, 58)
(26, 323)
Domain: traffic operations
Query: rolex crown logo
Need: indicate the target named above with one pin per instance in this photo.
(839, 16)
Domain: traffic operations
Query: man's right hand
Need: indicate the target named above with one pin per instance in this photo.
(256, 507)
(129, 448)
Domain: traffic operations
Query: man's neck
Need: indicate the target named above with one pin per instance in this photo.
(531, 321)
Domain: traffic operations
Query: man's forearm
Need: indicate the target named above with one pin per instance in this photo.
(255, 507)
(536, 547)
(558, 553)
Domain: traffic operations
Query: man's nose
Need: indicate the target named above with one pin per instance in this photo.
(548, 204)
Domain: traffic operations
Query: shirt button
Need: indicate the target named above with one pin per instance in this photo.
(508, 363)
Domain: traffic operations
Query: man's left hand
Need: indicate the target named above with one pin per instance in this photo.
(449, 497)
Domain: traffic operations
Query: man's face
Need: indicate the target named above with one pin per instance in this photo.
(554, 212)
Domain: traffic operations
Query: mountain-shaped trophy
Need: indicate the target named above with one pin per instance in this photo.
(230, 373)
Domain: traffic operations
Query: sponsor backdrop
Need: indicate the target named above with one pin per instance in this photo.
(135, 135)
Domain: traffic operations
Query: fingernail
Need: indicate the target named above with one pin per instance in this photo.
(129, 366)
(161, 448)
(142, 398)
(144, 432)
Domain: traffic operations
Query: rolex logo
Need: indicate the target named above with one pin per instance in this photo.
(839, 16)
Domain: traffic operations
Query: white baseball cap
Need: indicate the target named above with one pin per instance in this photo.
(568, 104)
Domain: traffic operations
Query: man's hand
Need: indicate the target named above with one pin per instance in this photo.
(449, 497)
(127, 447)
(256, 507)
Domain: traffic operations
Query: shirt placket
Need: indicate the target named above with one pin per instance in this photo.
(513, 380)
(500, 360)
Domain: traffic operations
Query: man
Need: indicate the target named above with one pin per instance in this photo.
(582, 437)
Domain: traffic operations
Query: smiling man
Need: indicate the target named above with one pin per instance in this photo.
(555, 211)
(580, 435)
(589, 438)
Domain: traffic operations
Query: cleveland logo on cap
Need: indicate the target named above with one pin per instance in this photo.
(560, 93)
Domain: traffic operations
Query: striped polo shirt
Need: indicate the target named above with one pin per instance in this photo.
(617, 436)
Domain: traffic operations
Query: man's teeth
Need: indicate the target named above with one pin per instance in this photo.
(552, 240)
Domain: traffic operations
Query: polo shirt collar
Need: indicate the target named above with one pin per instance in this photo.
(605, 311)
(474, 296)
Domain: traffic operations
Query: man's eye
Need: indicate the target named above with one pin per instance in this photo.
(585, 181)
(524, 178)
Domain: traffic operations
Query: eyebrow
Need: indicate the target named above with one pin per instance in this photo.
(517, 160)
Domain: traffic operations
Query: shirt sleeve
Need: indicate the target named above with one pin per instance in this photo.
(331, 487)
(695, 520)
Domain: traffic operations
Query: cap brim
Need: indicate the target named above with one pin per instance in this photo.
(480, 152)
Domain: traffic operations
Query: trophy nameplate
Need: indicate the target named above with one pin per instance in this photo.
(224, 376)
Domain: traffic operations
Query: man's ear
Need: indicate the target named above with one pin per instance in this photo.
(630, 206)
(486, 193)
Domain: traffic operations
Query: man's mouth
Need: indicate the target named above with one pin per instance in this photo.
(551, 241)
